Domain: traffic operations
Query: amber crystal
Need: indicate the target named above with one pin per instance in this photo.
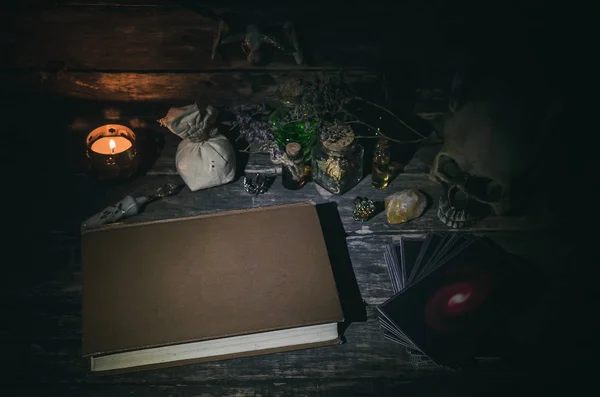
(405, 205)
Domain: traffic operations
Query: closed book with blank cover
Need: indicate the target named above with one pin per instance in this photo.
(208, 287)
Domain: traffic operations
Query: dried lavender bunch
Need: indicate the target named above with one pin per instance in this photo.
(322, 97)
(319, 99)
(252, 124)
(275, 152)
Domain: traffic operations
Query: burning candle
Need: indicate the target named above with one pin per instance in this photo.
(111, 151)
(114, 145)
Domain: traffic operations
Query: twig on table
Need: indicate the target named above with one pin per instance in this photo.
(393, 115)
(381, 134)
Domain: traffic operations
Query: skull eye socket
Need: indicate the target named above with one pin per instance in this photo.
(458, 198)
(484, 189)
(450, 169)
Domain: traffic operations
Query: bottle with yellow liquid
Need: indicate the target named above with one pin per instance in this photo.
(382, 171)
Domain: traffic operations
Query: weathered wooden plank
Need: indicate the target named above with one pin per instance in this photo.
(177, 35)
(365, 241)
(426, 383)
(155, 38)
(44, 335)
(365, 254)
(232, 196)
(365, 354)
(364, 251)
(216, 87)
(107, 38)
(545, 250)
(366, 357)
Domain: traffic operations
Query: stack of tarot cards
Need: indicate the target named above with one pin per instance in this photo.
(453, 293)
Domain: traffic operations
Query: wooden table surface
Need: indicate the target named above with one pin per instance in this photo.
(159, 51)
(42, 337)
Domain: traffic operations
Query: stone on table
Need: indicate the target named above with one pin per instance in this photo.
(404, 206)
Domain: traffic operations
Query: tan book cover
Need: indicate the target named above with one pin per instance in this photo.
(205, 278)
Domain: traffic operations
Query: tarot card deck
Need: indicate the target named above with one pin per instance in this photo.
(452, 292)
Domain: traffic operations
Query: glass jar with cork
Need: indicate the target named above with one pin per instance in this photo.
(337, 161)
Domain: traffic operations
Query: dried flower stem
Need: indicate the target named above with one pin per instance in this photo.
(381, 134)
(394, 116)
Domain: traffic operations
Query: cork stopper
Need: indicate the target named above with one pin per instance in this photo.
(339, 143)
(338, 138)
(382, 143)
(293, 149)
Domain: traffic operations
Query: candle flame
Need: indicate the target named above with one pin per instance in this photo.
(112, 145)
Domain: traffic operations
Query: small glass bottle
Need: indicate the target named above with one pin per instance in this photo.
(381, 174)
(293, 174)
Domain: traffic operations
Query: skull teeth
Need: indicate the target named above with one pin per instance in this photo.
(454, 218)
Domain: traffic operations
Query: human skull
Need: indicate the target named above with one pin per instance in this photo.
(488, 145)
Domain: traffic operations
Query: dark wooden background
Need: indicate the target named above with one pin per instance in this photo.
(62, 60)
